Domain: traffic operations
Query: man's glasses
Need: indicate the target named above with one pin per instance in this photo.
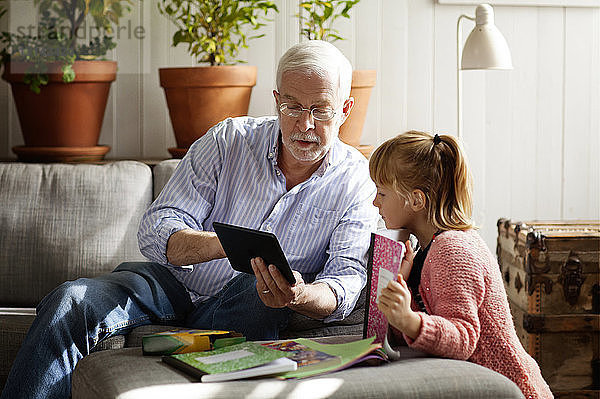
(296, 110)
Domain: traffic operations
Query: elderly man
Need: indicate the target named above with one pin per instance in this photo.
(288, 174)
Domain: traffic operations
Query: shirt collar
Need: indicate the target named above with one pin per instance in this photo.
(273, 140)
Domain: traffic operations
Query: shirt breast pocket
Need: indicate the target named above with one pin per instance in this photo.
(312, 231)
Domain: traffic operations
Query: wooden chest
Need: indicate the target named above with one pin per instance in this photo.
(551, 275)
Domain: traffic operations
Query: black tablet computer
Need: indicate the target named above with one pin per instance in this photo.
(242, 244)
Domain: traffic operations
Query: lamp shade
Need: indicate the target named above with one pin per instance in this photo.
(485, 47)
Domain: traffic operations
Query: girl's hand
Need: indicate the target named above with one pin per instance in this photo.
(394, 303)
(407, 261)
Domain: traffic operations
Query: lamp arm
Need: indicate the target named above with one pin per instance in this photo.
(459, 76)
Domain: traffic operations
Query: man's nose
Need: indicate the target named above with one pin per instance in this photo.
(306, 121)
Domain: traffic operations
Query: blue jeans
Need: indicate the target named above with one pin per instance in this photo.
(77, 315)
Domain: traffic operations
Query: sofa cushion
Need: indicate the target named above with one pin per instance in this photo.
(59, 222)
(162, 173)
(126, 374)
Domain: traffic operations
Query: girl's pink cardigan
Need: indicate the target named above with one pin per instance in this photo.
(469, 317)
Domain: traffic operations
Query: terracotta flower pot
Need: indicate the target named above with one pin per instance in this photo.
(65, 119)
(363, 82)
(200, 97)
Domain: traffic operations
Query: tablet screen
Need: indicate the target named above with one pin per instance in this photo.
(242, 244)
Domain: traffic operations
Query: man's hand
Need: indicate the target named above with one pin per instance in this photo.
(394, 303)
(273, 289)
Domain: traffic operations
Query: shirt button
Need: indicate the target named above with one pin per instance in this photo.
(268, 228)
(278, 173)
(270, 155)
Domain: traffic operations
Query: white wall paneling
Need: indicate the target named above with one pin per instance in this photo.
(156, 126)
(549, 115)
(581, 113)
(529, 3)
(419, 65)
(392, 72)
(531, 134)
(367, 35)
(523, 84)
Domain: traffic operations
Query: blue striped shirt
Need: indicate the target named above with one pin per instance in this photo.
(230, 175)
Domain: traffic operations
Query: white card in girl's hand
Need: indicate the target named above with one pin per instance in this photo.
(385, 276)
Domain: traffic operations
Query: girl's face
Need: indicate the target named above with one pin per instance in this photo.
(395, 211)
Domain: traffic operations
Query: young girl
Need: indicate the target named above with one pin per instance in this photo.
(458, 307)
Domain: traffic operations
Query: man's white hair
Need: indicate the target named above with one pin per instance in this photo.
(320, 58)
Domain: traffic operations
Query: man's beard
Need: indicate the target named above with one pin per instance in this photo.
(313, 154)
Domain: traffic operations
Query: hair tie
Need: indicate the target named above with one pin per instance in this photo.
(436, 139)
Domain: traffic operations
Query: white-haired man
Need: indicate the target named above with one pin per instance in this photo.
(288, 174)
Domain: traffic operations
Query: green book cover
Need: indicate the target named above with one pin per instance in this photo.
(223, 360)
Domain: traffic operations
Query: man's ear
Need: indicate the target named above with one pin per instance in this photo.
(346, 108)
(418, 200)
(276, 96)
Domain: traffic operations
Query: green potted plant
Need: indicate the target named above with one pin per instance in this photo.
(214, 31)
(316, 19)
(60, 83)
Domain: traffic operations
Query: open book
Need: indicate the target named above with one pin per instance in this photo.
(385, 257)
(350, 353)
(308, 359)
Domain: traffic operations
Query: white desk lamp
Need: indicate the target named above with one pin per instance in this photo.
(485, 48)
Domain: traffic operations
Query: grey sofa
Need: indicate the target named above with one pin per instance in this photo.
(59, 222)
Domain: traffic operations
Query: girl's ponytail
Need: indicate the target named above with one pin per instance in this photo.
(454, 197)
